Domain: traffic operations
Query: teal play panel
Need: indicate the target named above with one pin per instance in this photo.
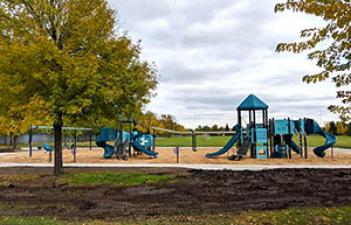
(282, 127)
(146, 140)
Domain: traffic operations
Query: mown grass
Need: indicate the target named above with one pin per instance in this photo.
(202, 141)
(218, 141)
(30, 221)
(301, 216)
(117, 179)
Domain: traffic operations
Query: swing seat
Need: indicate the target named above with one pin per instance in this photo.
(48, 148)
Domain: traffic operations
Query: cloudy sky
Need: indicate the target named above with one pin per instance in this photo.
(211, 54)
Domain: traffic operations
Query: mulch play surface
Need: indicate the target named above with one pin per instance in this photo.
(166, 155)
(193, 192)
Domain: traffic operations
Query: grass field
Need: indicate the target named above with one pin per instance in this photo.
(116, 179)
(217, 141)
(303, 216)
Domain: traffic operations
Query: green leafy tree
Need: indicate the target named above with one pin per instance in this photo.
(227, 127)
(16, 119)
(199, 128)
(348, 132)
(333, 128)
(329, 45)
(67, 54)
(215, 128)
(341, 128)
(146, 121)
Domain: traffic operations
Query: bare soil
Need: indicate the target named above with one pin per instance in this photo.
(195, 191)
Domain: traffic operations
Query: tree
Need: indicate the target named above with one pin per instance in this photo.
(341, 128)
(168, 121)
(215, 128)
(227, 128)
(333, 128)
(330, 45)
(348, 132)
(146, 121)
(66, 54)
(16, 119)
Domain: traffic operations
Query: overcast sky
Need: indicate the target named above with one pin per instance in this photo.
(211, 54)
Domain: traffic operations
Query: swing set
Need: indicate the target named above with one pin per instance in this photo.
(70, 143)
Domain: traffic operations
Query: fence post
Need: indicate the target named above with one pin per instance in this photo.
(75, 146)
(30, 140)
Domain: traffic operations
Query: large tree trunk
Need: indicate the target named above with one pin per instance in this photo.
(14, 141)
(58, 170)
(11, 139)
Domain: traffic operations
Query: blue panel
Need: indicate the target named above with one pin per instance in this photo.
(125, 137)
(107, 134)
(261, 136)
(146, 140)
(292, 127)
(281, 127)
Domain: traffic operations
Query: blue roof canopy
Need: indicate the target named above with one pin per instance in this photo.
(252, 102)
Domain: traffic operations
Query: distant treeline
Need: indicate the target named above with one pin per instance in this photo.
(214, 127)
(338, 128)
(166, 121)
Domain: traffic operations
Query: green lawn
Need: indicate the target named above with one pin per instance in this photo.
(302, 216)
(217, 141)
(113, 178)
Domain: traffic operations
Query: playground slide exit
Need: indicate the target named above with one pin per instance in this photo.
(142, 149)
(108, 149)
(229, 145)
(107, 134)
(312, 127)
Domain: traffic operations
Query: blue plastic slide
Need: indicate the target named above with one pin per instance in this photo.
(144, 150)
(107, 134)
(292, 144)
(229, 145)
(312, 127)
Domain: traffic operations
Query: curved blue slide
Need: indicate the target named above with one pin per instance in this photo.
(109, 150)
(144, 150)
(107, 134)
(292, 144)
(312, 127)
(229, 145)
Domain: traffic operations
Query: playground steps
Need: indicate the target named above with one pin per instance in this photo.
(242, 151)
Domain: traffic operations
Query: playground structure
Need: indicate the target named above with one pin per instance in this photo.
(259, 137)
(264, 138)
(123, 142)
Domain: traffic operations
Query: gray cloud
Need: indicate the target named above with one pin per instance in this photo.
(212, 53)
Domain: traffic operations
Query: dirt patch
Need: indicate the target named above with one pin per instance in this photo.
(195, 192)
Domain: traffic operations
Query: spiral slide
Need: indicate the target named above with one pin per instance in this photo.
(312, 127)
